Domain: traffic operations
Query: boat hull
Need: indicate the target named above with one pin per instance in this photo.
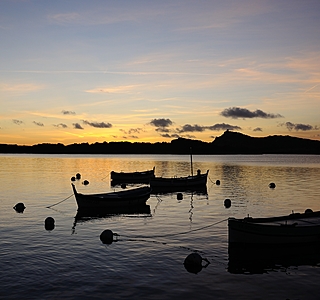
(179, 182)
(126, 198)
(292, 229)
(131, 177)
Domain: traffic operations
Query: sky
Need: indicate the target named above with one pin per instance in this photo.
(86, 71)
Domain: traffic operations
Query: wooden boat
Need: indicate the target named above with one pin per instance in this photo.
(130, 197)
(131, 177)
(198, 180)
(292, 229)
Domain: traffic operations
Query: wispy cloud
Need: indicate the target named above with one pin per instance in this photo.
(77, 126)
(97, 124)
(17, 122)
(68, 112)
(38, 123)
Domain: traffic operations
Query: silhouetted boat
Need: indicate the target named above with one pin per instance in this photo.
(124, 198)
(131, 177)
(295, 228)
(199, 180)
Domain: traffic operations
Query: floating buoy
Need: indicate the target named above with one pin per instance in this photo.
(85, 182)
(78, 176)
(218, 182)
(106, 236)
(193, 263)
(123, 185)
(272, 185)
(179, 196)
(227, 203)
(49, 223)
(308, 211)
(19, 207)
(73, 178)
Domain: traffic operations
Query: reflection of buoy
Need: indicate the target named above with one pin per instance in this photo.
(78, 176)
(123, 185)
(85, 182)
(218, 182)
(179, 196)
(73, 178)
(19, 207)
(272, 185)
(106, 236)
(227, 203)
(49, 223)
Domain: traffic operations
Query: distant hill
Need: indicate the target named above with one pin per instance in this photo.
(228, 143)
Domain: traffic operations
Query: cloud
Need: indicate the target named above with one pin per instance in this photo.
(61, 125)
(132, 130)
(169, 136)
(68, 112)
(303, 127)
(237, 112)
(17, 122)
(77, 126)
(257, 129)
(216, 127)
(97, 124)
(38, 123)
(161, 122)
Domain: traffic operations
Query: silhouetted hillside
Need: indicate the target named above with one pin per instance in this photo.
(228, 143)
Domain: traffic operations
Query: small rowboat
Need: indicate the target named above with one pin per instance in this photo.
(179, 182)
(124, 198)
(131, 177)
(295, 228)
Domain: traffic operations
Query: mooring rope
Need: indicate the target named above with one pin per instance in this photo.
(166, 235)
(59, 201)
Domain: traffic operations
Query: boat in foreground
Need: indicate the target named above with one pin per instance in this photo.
(198, 180)
(125, 198)
(131, 177)
(295, 228)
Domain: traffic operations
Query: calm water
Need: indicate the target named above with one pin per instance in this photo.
(146, 262)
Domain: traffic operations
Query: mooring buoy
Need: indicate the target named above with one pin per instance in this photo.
(179, 196)
(49, 223)
(123, 185)
(272, 185)
(106, 236)
(78, 176)
(227, 203)
(217, 182)
(73, 178)
(85, 182)
(19, 207)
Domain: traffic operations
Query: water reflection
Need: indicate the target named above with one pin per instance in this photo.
(259, 259)
(142, 211)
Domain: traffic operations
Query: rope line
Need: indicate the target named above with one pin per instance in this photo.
(166, 235)
(59, 201)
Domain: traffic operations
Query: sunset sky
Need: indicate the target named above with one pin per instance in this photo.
(74, 71)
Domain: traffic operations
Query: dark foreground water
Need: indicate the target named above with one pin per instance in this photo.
(146, 261)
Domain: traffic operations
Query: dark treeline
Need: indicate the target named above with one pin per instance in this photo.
(228, 143)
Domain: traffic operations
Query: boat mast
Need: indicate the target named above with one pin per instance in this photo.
(191, 161)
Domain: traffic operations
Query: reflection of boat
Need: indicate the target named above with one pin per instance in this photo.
(188, 182)
(87, 214)
(292, 229)
(124, 198)
(262, 258)
(197, 190)
(131, 177)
